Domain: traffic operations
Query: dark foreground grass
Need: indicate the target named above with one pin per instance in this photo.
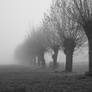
(19, 80)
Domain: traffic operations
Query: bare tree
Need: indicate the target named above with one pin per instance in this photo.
(81, 12)
(53, 38)
(71, 38)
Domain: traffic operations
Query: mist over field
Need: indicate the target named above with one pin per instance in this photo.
(45, 46)
(16, 19)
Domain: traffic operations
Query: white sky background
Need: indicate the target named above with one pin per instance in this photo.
(16, 18)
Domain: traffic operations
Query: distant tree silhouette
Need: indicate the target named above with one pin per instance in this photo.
(71, 38)
(81, 12)
(23, 54)
(38, 44)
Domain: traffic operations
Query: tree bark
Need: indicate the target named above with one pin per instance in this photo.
(55, 57)
(88, 31)
(69, 61)
(90, 55)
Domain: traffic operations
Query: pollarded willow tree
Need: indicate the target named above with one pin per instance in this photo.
(81, 12)
(71, 38)
(53, 38)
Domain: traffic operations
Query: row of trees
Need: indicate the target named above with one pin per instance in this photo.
(71, 35)
(33, 46)
(67, 26)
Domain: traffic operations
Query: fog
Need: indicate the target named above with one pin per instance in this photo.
(28, 63)
(16, 18)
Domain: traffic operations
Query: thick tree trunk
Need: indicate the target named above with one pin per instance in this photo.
(69, 61)
(88, 31)
(55, 57)
(89, 73)
(90, 56)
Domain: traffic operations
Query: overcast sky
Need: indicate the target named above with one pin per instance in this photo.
(16, 18)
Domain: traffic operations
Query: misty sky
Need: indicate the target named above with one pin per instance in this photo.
(16, 18)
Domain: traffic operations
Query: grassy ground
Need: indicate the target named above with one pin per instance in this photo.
(15, 79)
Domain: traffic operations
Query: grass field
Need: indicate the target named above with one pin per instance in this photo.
(23, 79)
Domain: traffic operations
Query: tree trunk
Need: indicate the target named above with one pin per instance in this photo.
(90, 55)
(55, 57)
(88, 31)
(69, 61)
(41, 60)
